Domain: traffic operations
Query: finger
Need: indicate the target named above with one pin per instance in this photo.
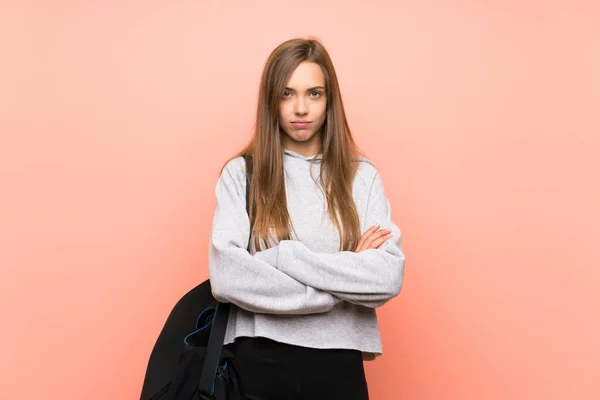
(369, 243)
(380, 241)
(371, 230)
(360, 244)
(366, 235)
(383, 232)
(379, 237)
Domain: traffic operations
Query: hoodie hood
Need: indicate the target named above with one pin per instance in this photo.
(319, 156)
(299, 156)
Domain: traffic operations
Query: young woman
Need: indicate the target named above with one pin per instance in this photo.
(323, 250)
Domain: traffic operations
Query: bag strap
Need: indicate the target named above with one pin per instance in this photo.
(219, 326)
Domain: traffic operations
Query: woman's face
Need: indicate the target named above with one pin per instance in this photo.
(302, 109)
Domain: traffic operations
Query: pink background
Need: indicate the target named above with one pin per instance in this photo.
(482, 116)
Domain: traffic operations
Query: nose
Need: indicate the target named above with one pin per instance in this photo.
(300, 106)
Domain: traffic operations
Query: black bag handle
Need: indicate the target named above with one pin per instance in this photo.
(219, 325)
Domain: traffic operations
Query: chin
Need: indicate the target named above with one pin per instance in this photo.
(302, 136)
(299, 136)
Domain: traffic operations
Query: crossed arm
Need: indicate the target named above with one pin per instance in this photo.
(289, 278)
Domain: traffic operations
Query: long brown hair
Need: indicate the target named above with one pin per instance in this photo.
(268, 205)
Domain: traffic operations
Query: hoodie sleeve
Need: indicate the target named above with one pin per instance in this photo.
(369, 278)
(238, 277)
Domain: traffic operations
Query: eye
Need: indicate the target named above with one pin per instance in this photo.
(316, 93)
(286, 94)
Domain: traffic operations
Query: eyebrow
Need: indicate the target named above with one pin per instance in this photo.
(308, 90)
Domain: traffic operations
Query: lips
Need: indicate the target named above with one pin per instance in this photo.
(300, 124)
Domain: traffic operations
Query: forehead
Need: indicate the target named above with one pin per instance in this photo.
(306, 75)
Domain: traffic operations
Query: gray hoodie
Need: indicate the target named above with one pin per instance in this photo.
(304, 291)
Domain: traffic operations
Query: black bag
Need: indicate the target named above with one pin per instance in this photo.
(188, 361)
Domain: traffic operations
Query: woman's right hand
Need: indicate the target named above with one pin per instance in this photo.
(373, 238)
